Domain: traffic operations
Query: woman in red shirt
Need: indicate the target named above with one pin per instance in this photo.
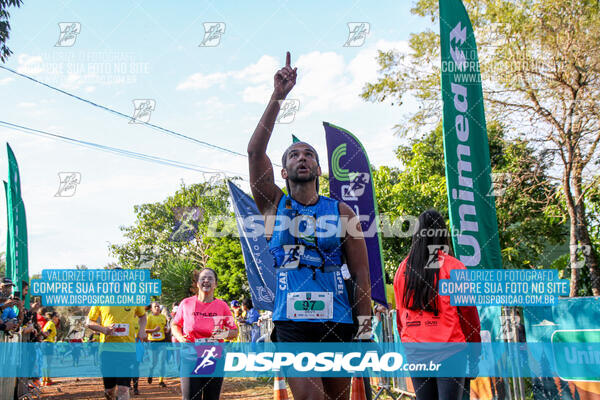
(199, 319)
(422, 315)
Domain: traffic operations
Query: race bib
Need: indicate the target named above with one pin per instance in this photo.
(220, 333)
(310, 305)
(121, 330)
(157, 335)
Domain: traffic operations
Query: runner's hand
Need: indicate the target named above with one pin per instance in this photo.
(180, 338)
(109, 330)
(365, 330)
(10, 325)
(10, 303)
(285, 79)
(220, 333)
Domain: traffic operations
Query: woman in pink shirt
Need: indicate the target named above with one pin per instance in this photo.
(202, 318)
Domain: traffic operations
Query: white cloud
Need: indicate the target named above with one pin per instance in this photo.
(6, 81)
(30, 65)
(202, 81)
(257, 73)
(257, 94)
(26, 104)
(260, 72)
(325, 80)
(212, 107)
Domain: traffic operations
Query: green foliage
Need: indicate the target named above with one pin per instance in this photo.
(524, 225)
(149, 241)
(227, 260)
(5, 52)
(539, 65)
(420, 186)
(324, 185)
(564, 272)
(593, 206)
(176, 275)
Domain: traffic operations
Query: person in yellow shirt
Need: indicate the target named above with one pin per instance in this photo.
(49, 332)
(157, 332)
(116, 325)
(135, 378)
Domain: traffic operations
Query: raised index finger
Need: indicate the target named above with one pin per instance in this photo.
(287, 59)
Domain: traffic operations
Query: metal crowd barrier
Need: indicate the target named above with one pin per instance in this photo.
(244, 333)
(395, 386)
(264, 327)
(7, 385)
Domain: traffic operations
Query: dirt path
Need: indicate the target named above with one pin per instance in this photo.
(91, 388)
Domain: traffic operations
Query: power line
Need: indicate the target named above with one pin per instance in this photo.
(115, 150)
(157, 127)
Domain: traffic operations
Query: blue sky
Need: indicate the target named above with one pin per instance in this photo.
(150, 50)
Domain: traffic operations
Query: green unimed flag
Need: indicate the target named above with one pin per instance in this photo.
(468, 172)
(7, 257)
(17, 225)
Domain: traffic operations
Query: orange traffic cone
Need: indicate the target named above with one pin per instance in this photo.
(280, 389)
(358, 389)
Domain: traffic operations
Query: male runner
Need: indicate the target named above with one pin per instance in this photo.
(316, 278)
(156, 329)
(117, 336)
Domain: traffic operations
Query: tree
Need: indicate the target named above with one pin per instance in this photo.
(167, 236)
(540, 63)
(176, 276)
(5, 52)
(525, 227)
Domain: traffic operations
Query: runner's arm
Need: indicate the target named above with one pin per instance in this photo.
(355, 250)
(142, 331)
(398, 298)
(232, 333)
(96, 327)
(262, 181)
(177, 333)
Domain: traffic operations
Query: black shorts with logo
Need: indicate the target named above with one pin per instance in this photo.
(291, 331)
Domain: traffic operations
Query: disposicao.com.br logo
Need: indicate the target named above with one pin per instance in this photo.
(323, 362)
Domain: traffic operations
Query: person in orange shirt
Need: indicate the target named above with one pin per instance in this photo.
(422, 315)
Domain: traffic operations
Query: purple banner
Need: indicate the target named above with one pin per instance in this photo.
(350, 181)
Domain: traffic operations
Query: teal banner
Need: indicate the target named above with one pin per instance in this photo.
(205, 358)
(17, 226)
(466, 151)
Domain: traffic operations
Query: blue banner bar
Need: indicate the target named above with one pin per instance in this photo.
(568, 360)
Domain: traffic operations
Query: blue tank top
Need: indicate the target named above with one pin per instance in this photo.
(307, 247)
